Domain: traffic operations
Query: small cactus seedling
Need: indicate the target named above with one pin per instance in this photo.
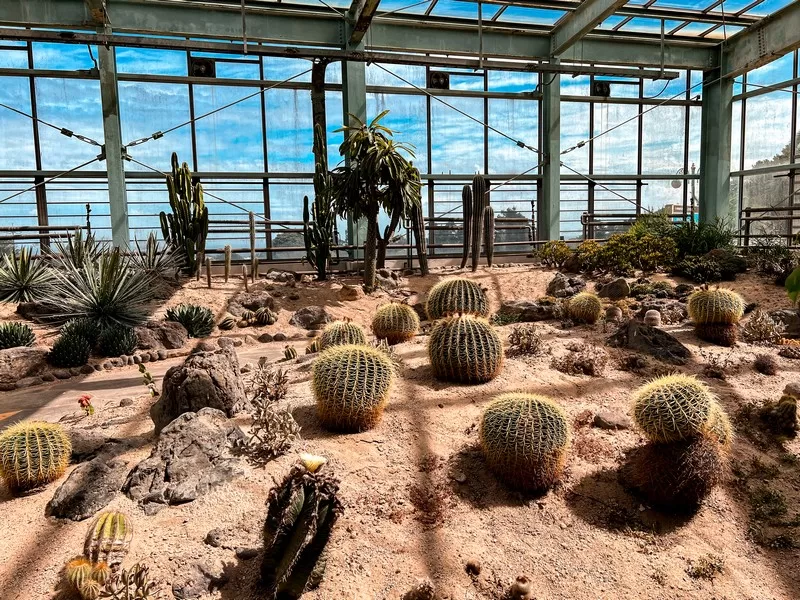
(33, 453)
(351, 385)
(301, 514)
(90, 589)
(395, 323)
(341, 333)
(289, 353)
(108, 538)
(525, 439)
(456, 296)
(227, 323)
(585, 308)
(719, 306)
(466, 349)
(673, 408)
(613, 313)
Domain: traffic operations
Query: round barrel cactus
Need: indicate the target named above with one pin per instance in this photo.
(673, 408)
(721, 334)
(265, 316)
(395, 323)
(351, 385)
(525, 439)
(464, 348)
(33, 453)
(227, 323)
(456, 296)
(585, 308)
(108, 538)
(720, 306)
(719, 425)
(341, 333)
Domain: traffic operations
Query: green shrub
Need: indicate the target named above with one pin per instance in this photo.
(117, 340)
(554, 254)
(198, 320)
(654, 224)
(696, 239)
(14, 334)
(716, 265)
(589, 254)
(24, 277)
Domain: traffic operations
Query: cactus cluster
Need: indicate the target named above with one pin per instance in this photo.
(478, 221)
(69, 350)
(14, 334)
(33, 453)
(395, 323)
(84, 327)
(351, 385)
(265, 316)
(464, 348)
(198, 320)
(585, 308)
(715, 313)
(417, 222)
(456, 296)
(117, 340)
(289, 352)
(87, 579)
(301, 514)
(341, 333)
(525, 438)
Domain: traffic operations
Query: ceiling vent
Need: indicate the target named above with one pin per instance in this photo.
(202, 67)
(437, 80)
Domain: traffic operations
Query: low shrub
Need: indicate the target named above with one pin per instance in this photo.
(554, 254)
(526, 339)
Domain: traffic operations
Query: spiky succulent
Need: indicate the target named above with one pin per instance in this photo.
(673, 408)
(341, 333)
(131, 584)
(351, 385)
(198, 320)
(33, 453)
(14, 334)
(78, 570)
(289, 352)
(456, 296)
(265, 316)
(108, 538)
(466, 349)
(719, 426)
(69, 350)
(719, 306)
(84, 327)
(24, 277)
(90, 589)
(248, 315)
(525, 439)
(585, 308)
(395, 323)
(227, 323)
(117, 340)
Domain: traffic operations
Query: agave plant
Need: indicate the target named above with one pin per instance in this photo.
(24, 277)
(161, 262)
(78, 251)
(198, 320)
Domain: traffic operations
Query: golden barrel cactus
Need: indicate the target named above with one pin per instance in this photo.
(719, 306)
(585, 308)
(673, 408)
(395, 323)
(465, 349)
(456, 296)
(33, 453)
(341, 333)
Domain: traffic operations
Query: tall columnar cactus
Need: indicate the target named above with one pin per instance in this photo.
(480, 199)
(418, 229)
(341, 333)
(351, 385)
(319, 219)
(108, 539)
(33, 453)
(186, 227)
(525, 439)
(717, 306)
(466, 349)
(585, 308)
(395, 323)
(466, 206)
(301, 513)
(228, 257)
(488, 234)
(457, 295)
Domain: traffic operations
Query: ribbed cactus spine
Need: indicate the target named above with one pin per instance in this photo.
(466, 204)
(341, 333)
(585, 308)
(395, 323)
(108, 538)
(186, 227)
(480, 199)
(456, 296)
(319, 220)
(465, 349)
(418, 228)
(351, 385)
(228, 256)
(33, 453)
(525, 439)
(488, 234)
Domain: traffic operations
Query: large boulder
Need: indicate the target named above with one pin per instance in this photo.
(311, 317)
(637, 336)
(193, 455)
(526, 310)
(562, 286)
(790, 318)
(615, 290)
(160, 335)
(205, 379)
(20, 363)
(257, 297)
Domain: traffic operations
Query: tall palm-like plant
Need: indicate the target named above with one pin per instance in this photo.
(377, 176)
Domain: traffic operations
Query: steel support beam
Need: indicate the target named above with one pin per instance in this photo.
(112, 130)
(361, 13)
(575, 25)
(715, 149)
(549, 209)
(354, 104)
(759, 44)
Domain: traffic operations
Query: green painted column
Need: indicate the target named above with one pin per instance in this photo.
(549, 218)
(715, 150)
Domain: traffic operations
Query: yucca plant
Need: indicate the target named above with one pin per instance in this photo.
(78, 250)
(24, 277)
(161, 262)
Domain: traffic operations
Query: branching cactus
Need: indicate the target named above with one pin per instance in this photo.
(108, 538)
(395, 323)
(319, 218)
(718, 306)
(340, 333)
(465, 349)
(186, 227)
(33, 453)
(674, 408)
(456, 296)
(488, 234)
(351, 385)
(525, 439)
(301, 514)
(585, 308)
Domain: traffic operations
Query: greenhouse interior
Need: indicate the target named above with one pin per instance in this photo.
(399, 300)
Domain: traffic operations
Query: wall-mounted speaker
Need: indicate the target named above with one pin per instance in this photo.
(437, 80)
(202, 67)
(601, 88)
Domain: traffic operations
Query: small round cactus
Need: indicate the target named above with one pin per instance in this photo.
(585, 308)
(90, 589)
(456, 296)
(673, 408)
(351, 385)
(227, 323)
(108, 538)
(720, 305)
(341, 333)
(525, 439)
(395, 323)
(33, 453)
(653, 318)
(265, 316)
(248, 315)
(717, 333)
(466, 349)
(78, 570)
(613, 313)
(101, 572)
(289, 353)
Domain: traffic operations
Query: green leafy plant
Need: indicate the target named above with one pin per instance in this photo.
(696, 239)
(33, 453)
(117, 340)
(463, 348)
(198, 320)
(148, 381)
(24, 277)
(14, 334)
(319, 220)
(161, 262)
(78, 251)
(526, 339)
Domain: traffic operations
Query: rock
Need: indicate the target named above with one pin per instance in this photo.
(198, 581)
(246, 368)
(683, 289)
(387, 279)
(419, 308)
(144, 357)
(652, 318)
(350, 293)
(91, 486)
(116, 362)
(107, 366)
(637, 336)
(191, 457)
(98, 366)
(313, 333)
(672, 311)
(473, 567)
(205, 346)
(205, 379)
(265, 338)
(283, 276)
(225, 342)
(47, 377)
(615, 290)
(257, 297)
(246, 553)
(86, 369)
(125, 402)
(158, 335)
(154, 356)
(279, 337)
(214, 538)
(613, 313)
(789, 317)
(162, 354)
(27, 382)
(19, 363)
(611, 420)
(562, 286)
(526, 310)
(64, 373)
(311, 317)
(238, 342)
(86, 443)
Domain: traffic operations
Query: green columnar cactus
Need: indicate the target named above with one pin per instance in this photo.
(717, 333)
(480, 199)
(525, 439)
(108, 539)
(319, 220)
(265, 316)
(466, 204)
(418, 229)
(717, 306)
(673, 408)
(228, 256)
(488, 234)
(33, 453)
(301, 513)
(14, 334)
(395, 323)
(465, 349)
(351, 385)
(227, 323)
(198, 320)
(186, 227)
(457, 295)
(69, 351)
(340, 333)
(585, 308)
(289, 352)
(117, 340)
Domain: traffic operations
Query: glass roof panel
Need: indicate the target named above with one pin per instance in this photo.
(405, 5)
(531, 16)
(644, 25)
(687, 4)
(456, 8)
(768, 7)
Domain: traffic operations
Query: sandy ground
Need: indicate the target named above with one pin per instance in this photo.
(419, 501)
